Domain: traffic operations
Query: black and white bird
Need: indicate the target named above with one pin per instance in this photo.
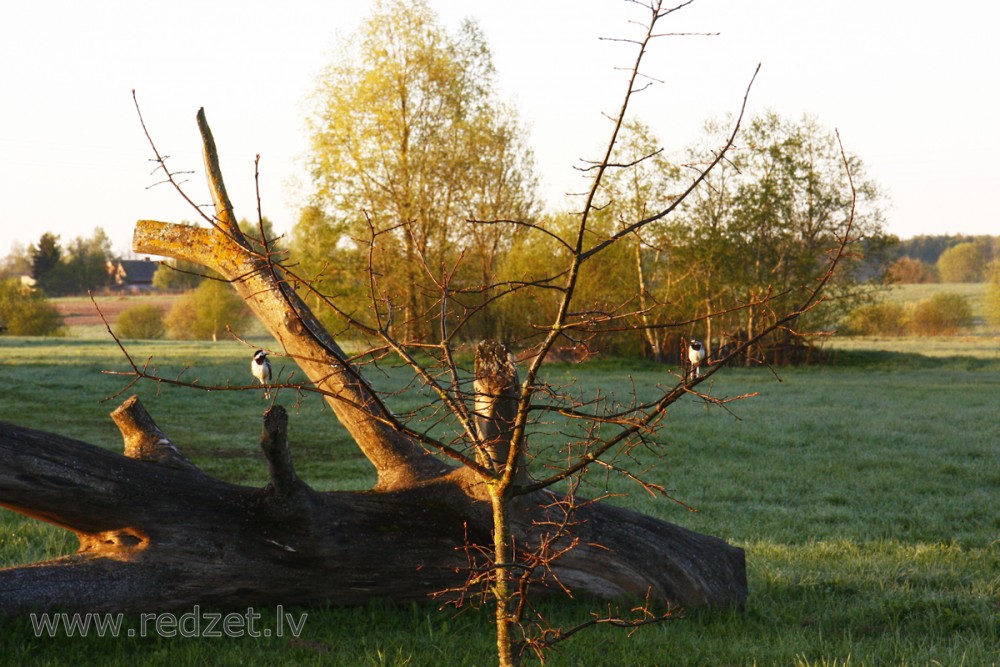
(696, 355)
(261, 369)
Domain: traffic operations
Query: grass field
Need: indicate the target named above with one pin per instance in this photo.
(865, 495)
(974, 293)
(912, 293)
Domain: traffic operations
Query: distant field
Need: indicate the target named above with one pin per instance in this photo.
(865, 496)
(82, 317)
(974, 292)
(983, 346)
(982, 342)
(83, 321)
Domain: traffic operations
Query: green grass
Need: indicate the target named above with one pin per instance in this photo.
(864, 494)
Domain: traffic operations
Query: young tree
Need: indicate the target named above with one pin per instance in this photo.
(643, 181)
(408, 143)
(467, 499)
(207, 312)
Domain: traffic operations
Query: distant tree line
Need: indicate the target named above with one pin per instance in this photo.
(423, 178)
(944, 258)
(53, 270)
(59, 270)
(204, 312)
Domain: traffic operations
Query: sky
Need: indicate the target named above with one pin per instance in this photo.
(912, 86)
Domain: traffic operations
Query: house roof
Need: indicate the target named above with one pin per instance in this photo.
(137, 271)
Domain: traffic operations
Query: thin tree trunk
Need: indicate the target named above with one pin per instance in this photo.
(648, 333)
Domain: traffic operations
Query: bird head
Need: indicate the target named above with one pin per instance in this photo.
(259, 356)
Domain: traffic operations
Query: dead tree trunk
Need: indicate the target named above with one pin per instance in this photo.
(156, 532)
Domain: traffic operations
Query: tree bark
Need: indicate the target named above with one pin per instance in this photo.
(156, 532)
(157, 536)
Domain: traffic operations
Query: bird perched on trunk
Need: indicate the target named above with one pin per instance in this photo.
(261, 369)
(696, 355)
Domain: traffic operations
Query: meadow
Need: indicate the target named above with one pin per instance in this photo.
(864, 494)
(975, 293)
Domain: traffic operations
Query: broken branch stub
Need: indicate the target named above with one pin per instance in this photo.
(496, 388)
(144, 440)
(398, 460)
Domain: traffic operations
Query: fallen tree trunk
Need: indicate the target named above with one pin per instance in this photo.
(156, 533)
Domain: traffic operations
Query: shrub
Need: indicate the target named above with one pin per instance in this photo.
(878, 319)
(941, 315)
(142, 321)
(207, 311)
(26, 312)
(911, 271)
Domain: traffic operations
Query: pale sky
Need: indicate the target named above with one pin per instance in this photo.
(913, 87)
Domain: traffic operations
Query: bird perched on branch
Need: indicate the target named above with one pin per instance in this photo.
(261, 369)
(696, 355)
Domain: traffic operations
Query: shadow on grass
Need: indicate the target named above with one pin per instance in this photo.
(898, 361)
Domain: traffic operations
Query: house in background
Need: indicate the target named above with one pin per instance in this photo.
(132, 275)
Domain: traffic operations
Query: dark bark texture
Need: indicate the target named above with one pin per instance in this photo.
(155, 535)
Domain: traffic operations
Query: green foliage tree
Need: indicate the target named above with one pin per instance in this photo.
(963, 263)
(177, 274)
(17, 263)
(944, 314)
(755, 234)
(206, 312)
(644, 182)
(750, 242)
(46, 264)
(76, 269)
(410, 143)
(26, 312)
(86, 263)
(144, 321)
